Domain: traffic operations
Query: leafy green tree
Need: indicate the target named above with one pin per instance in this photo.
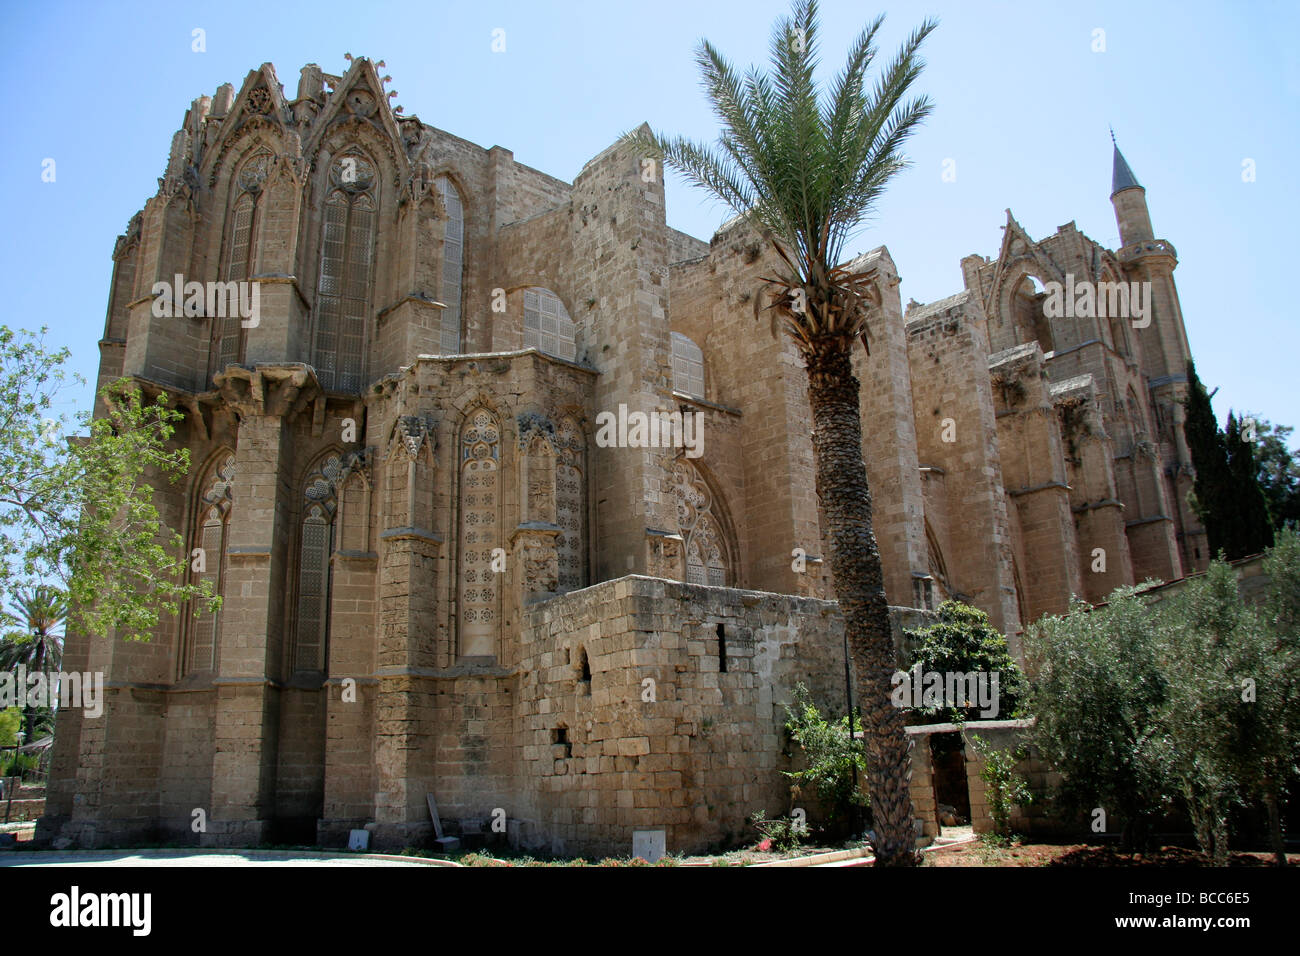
(1279, 472)
(1272, 735)
(1195, 697)
(1207, 643)
(11, 720)
(1096, 689)
(1231, 721)
(806, 169)
(961, 638)
(80, 512)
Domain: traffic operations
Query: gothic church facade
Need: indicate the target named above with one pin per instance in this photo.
(437, 583)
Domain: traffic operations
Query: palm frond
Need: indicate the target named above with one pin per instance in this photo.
(806, 169)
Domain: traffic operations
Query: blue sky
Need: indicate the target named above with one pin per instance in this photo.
(1022, 106)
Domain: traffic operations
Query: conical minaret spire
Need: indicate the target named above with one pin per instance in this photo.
(1121, 176)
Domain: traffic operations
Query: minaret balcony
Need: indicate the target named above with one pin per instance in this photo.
(1147, 249)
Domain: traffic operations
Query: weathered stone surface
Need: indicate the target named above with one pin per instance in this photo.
(438, 578)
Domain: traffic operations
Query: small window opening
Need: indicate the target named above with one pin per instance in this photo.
(560, 737)
(584, 674)
(722, 649)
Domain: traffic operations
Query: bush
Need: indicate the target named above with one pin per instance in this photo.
(1097, 689)
(16, 766)
(962, 639)
(832, 755)
(786, 833)
(1196, 697)
(1005, 789)
(1228, 728)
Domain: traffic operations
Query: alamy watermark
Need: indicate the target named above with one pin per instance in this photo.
(938, 689)
(1087, 300)
(75, 909)
(657, 429)
(208, 299)
(18, 688)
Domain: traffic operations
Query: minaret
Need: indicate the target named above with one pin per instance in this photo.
(1129, 200)
(1162, 340)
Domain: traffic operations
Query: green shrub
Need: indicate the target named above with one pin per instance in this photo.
(786, 833)
(1004, 788)
(1194, 698)
(832, 755)
(1097, 691)
(15, 766)
(962, 639)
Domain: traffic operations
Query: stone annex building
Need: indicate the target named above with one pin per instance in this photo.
(439, 327)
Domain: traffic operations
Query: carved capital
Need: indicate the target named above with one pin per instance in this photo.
(274, 391)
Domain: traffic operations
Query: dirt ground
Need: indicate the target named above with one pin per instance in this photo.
(981, 853)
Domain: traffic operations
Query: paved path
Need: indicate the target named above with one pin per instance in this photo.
(216, 858)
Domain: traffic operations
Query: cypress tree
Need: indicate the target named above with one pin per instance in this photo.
(1251, 530)
(1212, 491)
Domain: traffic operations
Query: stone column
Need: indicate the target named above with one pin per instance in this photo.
(889, 434)
(1033, 473)
(404, 702)
(351, 689)
(619, 230)
(250, 652)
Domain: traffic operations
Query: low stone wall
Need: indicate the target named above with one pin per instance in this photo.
(648, 704)
(1034, 818)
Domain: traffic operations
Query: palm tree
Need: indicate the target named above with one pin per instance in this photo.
(34, 640)
(806, 169)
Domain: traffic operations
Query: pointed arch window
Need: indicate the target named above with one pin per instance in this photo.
(208, 565)
(239, 255)
(571, 505)
(347, 251)
(453, 264)
(316, 545)
(688, 367)
(705, 547)
(480, 533)
(547, 326)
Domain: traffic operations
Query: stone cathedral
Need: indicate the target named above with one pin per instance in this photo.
(436, 583)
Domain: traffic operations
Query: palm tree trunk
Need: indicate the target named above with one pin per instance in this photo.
(29, 712)
(859, 586)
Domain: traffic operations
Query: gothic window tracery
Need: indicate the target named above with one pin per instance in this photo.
(480, 535)
(208, 564)
(320, 503)
(547, 326)
(453, 259)
(240, 253)
(705, 547)
(570, 505)
(347, 249)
